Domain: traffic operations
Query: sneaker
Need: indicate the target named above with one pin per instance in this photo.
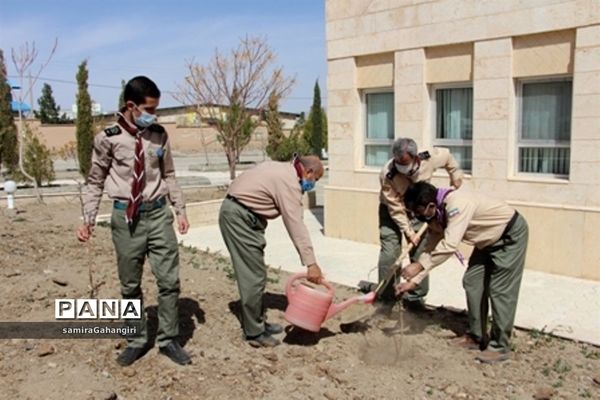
(263, 340)
(130, 355)
(176, 353)
(273, 329)
(492, 357)
(466, 342)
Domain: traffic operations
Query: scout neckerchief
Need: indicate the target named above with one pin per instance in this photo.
(442, 218)
(297, 166)
(440, 209)
(135, 199)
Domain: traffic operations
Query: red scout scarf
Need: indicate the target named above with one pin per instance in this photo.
(296, 163)
(135, 199)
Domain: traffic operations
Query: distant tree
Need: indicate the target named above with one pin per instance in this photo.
(308, 129)
(9, 144)
(23, 59)
(84, 122)
(324, 135)
(275, 134)
(281, 147)
(316, 122)
(67, 152)
(37, 158)
(229, 86)
(294, 143)
(122, 95)
(49, 112)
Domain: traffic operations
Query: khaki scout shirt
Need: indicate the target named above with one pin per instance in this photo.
(393, 190)
(473, 218)
(272, 189)
(112, 169)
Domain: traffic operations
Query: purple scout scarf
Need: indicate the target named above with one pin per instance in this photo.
(440, 214)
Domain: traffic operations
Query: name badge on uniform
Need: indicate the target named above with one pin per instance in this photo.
(452, 212)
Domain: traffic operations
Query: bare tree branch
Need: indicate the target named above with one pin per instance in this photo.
(229, 86)
(23, 59)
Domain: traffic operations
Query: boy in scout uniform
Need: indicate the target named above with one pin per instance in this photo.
(267, 191)
(132, 160)
(407, 166)
(499, 234)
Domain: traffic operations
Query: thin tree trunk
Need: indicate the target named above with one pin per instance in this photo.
(21, 136)
(231, 163)
(204, 143)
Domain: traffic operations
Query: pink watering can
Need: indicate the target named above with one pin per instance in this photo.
(309, 307)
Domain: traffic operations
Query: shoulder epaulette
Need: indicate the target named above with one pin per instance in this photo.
(391, 172)
(424, 155)
(113, 130)
(156, 128)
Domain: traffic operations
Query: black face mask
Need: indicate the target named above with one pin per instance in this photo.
(423, 218)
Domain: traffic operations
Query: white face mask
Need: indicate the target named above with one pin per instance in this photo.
(404, 169)
(145, 119)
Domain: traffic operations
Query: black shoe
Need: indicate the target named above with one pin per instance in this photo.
(273, 329)
(176, 353)
(366, 286)
(263, 340)
(415, 306)
(130, 355)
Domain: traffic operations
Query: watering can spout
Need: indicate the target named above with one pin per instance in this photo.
(335, 309)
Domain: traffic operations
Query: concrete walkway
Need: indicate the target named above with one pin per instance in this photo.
(567, 307)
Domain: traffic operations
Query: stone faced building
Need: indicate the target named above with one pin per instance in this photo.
(511, 87)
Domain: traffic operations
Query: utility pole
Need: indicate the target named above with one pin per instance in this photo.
(30, 92)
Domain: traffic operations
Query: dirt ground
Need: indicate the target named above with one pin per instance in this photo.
(350, 358)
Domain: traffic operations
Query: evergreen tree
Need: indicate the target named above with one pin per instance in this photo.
(316, 120)
(274, 127)
(122, 95)
(307, 129)
(324, 131)
(9, 144)
(37, 158)
(84, 122)
(49, 111)
(281, 147)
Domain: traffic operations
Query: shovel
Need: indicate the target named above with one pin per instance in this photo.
(393, 269)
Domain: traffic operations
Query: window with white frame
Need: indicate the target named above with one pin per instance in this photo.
(379, 127)
(454, 123)
(544, 143)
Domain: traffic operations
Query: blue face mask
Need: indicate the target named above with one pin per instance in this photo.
(145, 119)
(307, 185)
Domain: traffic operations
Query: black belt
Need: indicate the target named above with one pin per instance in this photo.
(510, 224)
(145, 206)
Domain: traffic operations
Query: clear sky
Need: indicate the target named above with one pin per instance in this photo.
(121, 39)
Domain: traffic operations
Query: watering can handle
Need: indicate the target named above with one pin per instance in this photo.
(289, 287)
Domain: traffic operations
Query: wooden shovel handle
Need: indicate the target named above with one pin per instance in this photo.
(398, 264)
